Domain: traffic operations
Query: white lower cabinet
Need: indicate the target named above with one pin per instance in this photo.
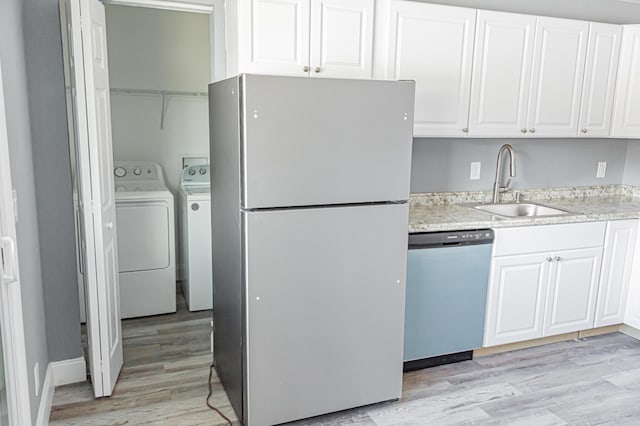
(573, 284)
(543, 281)
(615, 277)
(517, 294)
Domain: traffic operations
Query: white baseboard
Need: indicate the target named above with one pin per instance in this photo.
(46, 399)
(69, 371)
(59, 373)
(630, 331)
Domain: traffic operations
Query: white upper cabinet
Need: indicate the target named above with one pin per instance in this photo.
(433, 45)
(528, 75)
(557, 77)
(273, 36)
(341, 38)
(603, 52)
(502, 73)
(626, 117)
(318, 38)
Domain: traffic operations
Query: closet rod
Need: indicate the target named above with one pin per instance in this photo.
(157, 92)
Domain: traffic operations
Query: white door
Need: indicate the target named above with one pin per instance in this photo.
(274, 36)
(571, 302)
(601, 70)
(557, 77)
(516, 299)
(90, 87)
(341, 38)
(626, 121)
(502, 73)
(14, 387)
(433, 45)
(618, 257)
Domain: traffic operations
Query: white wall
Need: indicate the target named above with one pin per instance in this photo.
(157, 49)
(137, 135)
(161, 50)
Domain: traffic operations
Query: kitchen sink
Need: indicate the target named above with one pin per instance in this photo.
(519, 210)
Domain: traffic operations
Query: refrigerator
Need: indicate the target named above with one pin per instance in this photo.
(309, 199)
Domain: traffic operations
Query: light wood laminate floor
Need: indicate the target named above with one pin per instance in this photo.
(591, 381)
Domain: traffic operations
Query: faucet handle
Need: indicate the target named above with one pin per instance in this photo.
(518, 197)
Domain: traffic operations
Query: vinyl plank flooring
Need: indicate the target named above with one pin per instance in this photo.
(590, 381)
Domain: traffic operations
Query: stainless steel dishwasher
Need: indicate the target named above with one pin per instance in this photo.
(447, 280)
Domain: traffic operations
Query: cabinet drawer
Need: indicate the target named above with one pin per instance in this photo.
(533, 239)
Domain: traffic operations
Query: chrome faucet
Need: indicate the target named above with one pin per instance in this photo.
(497, 188)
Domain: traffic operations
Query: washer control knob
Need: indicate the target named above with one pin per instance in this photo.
(192, 172)
(195, 207)
(120, 171)
(203, 171)
(137, 171)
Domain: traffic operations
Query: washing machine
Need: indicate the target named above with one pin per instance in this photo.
(195, 237)
(146, 239)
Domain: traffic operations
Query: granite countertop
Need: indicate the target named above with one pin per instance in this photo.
(432, 212)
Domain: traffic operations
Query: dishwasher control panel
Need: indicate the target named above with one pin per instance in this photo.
(434, 239)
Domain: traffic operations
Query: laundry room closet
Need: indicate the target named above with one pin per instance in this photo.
(159, 64)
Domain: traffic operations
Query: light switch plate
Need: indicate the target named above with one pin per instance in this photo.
(602, 169)
(474, 170)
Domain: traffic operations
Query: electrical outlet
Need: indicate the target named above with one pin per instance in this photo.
(474, 170)
(36, 378)
(602, 169)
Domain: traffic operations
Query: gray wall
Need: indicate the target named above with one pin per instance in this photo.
(22, 173)
(45, 82)
(443, 164)
(612, 11)
(632, 164)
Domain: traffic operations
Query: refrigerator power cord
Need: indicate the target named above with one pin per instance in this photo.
(211, 393)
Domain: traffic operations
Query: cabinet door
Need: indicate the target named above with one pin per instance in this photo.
(502, 72)
(557, 77)
(515, 304)
(341, 38)
(433, 45)
(596, 107)
(573, 283)
(274, 36)
(616, 271)
(626, 120)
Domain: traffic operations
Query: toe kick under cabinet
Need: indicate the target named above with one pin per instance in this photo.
(555, 279)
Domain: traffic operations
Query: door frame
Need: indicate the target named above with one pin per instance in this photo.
(12, 329)
(215, 10)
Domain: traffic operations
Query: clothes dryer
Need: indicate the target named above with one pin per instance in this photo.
(195, 237)
(146, 239)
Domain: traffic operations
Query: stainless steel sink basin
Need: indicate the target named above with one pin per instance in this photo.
(520, 210)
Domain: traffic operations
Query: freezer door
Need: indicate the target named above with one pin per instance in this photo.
(325, 297)
(325, 141)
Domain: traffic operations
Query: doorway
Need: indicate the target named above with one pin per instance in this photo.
(158, 113)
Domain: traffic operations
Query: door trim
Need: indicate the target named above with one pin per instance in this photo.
(17, 380)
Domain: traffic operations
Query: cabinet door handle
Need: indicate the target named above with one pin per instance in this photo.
(305, 69)
(584, 130)
(557, 258)
(524, 130)
(316, 69)
(532, 130)
(549, 259)
(465, 130)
